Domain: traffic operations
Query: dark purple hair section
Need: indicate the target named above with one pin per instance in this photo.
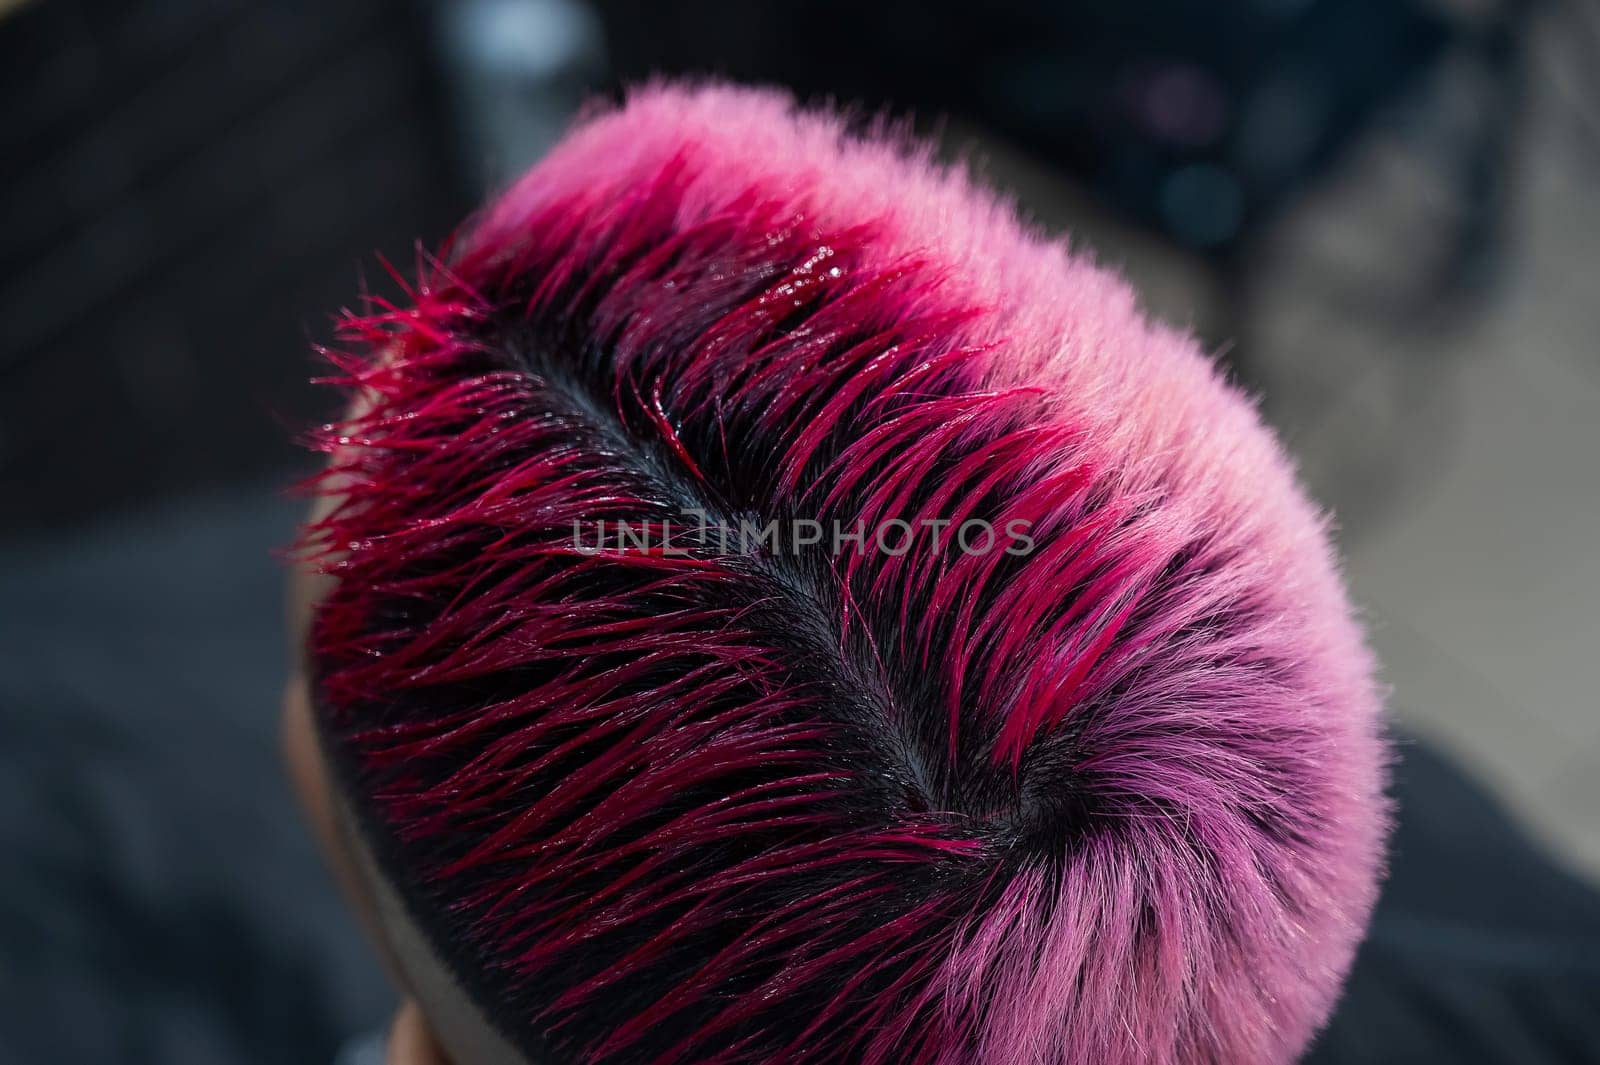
(1115, 798)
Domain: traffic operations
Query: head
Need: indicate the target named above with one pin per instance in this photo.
(767, 605)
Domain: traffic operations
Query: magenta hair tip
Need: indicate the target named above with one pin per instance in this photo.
(1104, 786)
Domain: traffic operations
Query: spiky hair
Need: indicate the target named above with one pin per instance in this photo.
(1113, 799)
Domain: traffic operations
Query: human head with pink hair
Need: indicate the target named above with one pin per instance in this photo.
(780, 609)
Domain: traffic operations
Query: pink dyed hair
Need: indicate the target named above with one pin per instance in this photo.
(1118, 800)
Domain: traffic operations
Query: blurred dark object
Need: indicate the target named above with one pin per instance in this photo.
(161, 901)
(1198, 120)
(1482, 951)
(187, 189)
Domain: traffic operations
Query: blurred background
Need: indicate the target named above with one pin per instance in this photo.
(1382, 215)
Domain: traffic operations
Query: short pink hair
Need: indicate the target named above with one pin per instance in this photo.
(1116, 800)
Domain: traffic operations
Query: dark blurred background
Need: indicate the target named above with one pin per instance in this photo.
(1382, 215)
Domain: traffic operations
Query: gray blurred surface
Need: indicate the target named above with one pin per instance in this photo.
(1455, 441)
(1460, 449)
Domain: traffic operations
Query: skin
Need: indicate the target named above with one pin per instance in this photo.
(436, 1023)
(411, 1038)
